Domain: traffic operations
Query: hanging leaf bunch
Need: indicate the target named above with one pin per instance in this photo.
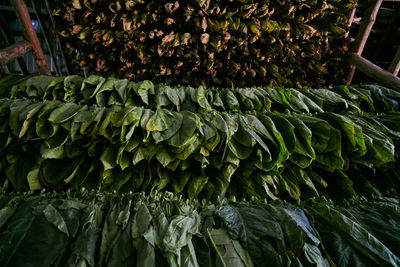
(109, 229)
(203, 42)
(235, 143)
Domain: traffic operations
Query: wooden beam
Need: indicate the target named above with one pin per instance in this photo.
(395, 66)
(373, 71)
(30, 34)
(11, 9)
(60, 43)
(45, 35)
(367, 22)
(10, 40)
(14, 51)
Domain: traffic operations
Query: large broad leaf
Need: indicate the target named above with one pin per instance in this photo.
(17, 172)
(248, 225)
(304, 153)
(201, 98)
(229, 252)
(90, 84)
(180, 231)
(7, 83)
(28, 117)
(25, 232)
(160, 121)
(326, 141)
(64, 113)
(170, 131)
(380, 148)
(15, 109)
(190, 123)
(356, 235)
(301, 102)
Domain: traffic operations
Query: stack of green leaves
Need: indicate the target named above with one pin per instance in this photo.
(89, 229)
(240, 43)
(107, 92)
(188, 142)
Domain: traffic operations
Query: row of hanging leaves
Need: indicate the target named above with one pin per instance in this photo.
(241, 43)
(90, 229)
(198, 150)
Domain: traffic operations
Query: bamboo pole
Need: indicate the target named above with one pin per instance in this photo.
(45, 35)
(380, 75)
(367, 22)
(351, 19)
(9, 40)
(395, 66)
(30, 34)
(60, 43)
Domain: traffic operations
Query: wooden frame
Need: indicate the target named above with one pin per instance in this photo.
(45, 35)
(367, 22)
(32, 43)
(388, 78)
(367, 67)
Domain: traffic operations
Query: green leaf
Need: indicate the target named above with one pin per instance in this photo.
(165, 157)
(64, 113)
(54, 217)
(190, 122)
(174, 96)
(356, 235)
(160, 121)
(108, 158)
(202, 99)
(141, 220)
(229, 252)
(196, 184)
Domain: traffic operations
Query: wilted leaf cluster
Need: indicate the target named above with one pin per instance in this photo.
(90, 229)
(240, 43)
(182, 141)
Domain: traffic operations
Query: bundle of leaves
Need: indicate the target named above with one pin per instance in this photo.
(89, 229)
(107, 92)
(199, 143)
(241, 43)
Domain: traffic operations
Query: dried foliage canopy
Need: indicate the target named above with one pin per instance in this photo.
(241, 43)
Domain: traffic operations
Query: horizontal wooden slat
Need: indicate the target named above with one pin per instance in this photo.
(375, 72)
(14, 51)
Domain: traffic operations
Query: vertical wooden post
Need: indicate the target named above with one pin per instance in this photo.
(45, 34)
(30, 34)
(351, 19)
(367, 22)
(60, 43)
(395, 66)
